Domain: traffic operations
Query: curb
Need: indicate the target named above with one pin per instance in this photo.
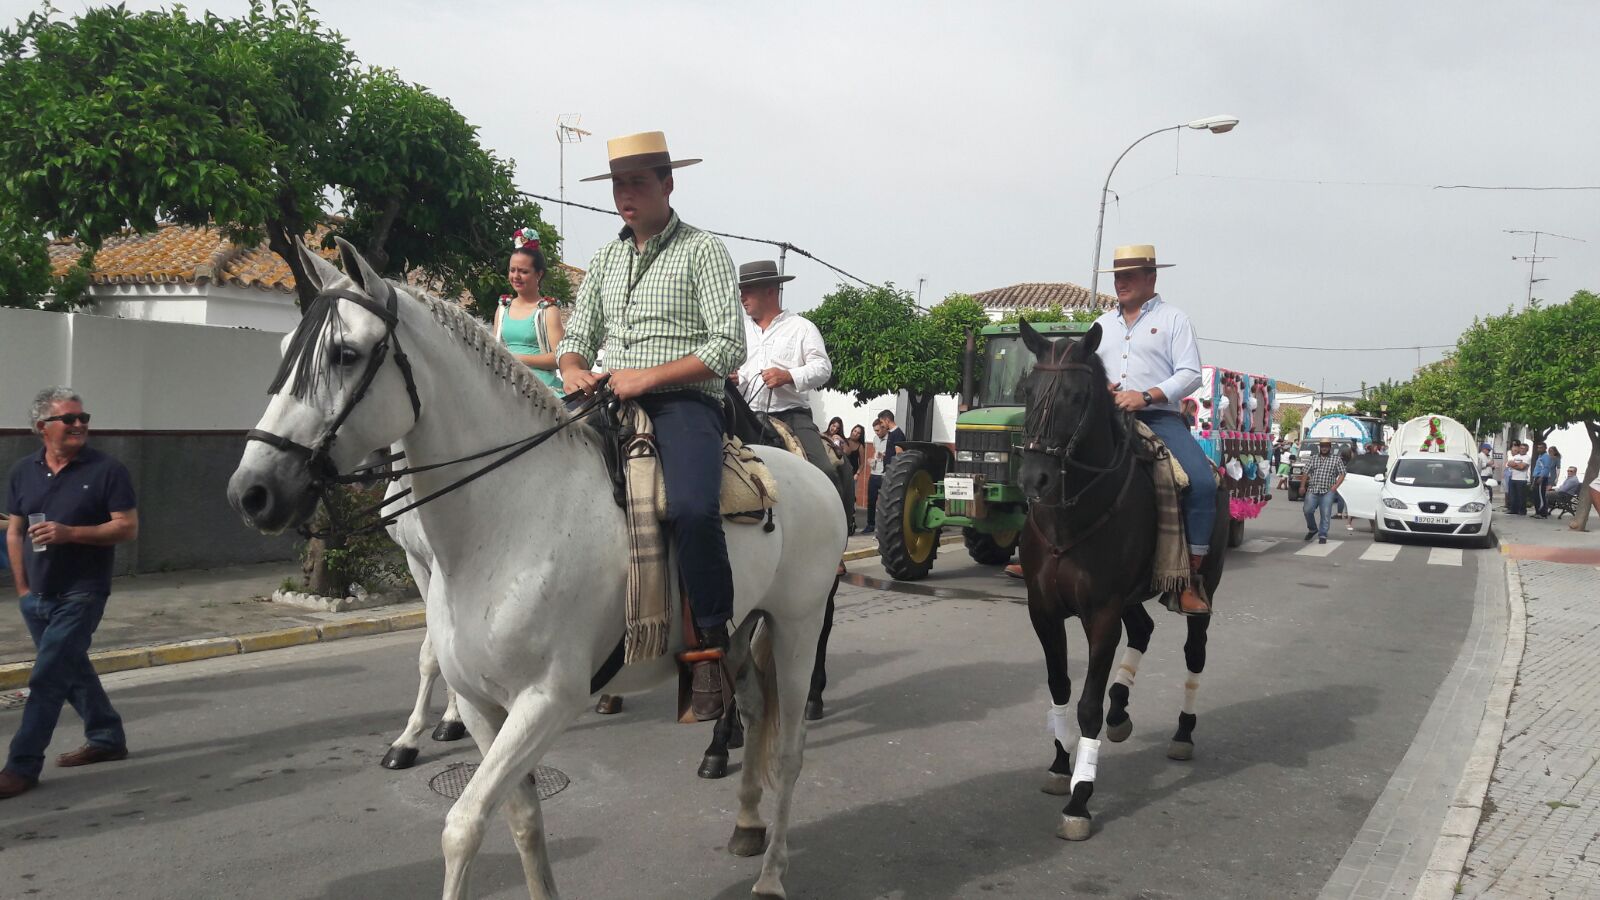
(1443, 874)
(15, 675)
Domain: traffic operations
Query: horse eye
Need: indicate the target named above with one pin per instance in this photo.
(347, 355)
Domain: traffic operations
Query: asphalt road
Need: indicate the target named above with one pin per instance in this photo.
(257, 776)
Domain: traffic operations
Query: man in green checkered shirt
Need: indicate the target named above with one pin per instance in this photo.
(662, 303)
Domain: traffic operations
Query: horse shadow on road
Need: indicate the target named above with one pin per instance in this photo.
(968, 692)
(980, 835)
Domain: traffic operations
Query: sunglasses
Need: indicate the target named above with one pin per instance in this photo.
(68, 419)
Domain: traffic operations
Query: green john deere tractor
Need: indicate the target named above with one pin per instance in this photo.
(927, 487)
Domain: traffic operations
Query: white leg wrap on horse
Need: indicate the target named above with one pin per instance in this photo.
(1083, 765)
(1060, 722)
(1129, 667)
(1190, 688)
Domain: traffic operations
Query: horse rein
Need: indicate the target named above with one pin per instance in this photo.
(319, 460)
(1121, 460)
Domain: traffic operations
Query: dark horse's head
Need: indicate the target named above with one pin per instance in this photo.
(1069, 413)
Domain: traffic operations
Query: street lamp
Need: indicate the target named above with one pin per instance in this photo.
(1213, 124)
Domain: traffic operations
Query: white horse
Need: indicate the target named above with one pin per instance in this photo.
(523, 626)
(407, 533)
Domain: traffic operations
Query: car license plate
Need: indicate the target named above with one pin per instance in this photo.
(959, 488)
(1431, 520)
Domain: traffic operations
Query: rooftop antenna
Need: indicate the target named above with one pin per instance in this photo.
(1533, 258)
(567, 132)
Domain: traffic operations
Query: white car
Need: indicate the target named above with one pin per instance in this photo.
(1433, 496)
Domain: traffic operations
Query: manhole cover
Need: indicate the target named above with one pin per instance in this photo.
(453, 780)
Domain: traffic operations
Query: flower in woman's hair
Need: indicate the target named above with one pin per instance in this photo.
(523, 237)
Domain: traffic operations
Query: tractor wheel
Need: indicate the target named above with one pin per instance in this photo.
(907, 551)
(990, 549)
(1235, 532)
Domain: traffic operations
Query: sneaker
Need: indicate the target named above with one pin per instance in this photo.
(867, 530)
(1309, 536)
(1322, 540)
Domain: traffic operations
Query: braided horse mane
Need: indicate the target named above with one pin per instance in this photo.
(471, 332)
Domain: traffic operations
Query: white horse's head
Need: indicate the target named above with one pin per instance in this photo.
(340, 394)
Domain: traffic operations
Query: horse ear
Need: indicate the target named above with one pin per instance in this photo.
(357, 267)
(319, 271)
(1033, 340)
(1091, 340)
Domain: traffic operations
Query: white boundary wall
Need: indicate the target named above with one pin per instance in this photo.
(136, 375)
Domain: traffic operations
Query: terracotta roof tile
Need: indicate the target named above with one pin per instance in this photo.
(1041, 295)
(182, 254)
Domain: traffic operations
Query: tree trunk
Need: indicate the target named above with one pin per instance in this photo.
(281, 237)
(921, 414)
(376, 255)
(1590, 472)
(320, 578)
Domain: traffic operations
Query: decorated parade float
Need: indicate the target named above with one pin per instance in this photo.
(1231, 417)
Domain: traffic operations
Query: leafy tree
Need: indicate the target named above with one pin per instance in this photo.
(1289, 421)
(881, 343)
(248, 124)
(1561, 359)
(1053, 313)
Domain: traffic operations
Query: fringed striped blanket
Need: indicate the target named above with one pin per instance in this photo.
(1170, 573)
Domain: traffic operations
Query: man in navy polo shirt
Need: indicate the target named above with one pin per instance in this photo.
(86, 500)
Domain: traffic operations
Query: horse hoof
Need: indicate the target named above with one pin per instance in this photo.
(713, 767)
(748, 840)
(1056, 783)
(814, 709)
(450, 731)
(1118, 733)
(609, 705)
(1073, 828)
(400, 758)
(1180, 750)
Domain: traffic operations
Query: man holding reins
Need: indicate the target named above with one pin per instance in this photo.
(1153, 360)
(662, 302)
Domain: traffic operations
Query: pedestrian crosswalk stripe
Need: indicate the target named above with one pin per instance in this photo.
(1257, 545)
(1381, 553)
(1445, 556)
(1319, 549)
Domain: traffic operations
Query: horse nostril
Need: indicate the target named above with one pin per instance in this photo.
(254, 501)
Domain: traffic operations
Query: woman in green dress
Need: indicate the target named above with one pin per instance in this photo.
(530, 324)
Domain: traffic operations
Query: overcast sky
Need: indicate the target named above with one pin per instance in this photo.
(966, 143)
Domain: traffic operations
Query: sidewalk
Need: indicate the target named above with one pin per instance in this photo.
(1539, 832)
(162, 618)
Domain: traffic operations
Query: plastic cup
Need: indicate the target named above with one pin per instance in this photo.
(36, 519)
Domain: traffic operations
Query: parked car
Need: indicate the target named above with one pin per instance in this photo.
(1363, 480)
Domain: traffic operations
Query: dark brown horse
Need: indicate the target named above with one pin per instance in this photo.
(1088, 551)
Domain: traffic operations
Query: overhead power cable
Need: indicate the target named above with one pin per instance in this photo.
(738, 237)
(1397, 184)
(1335, 349)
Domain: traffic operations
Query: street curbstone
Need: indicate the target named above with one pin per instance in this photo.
(1449, 858)
(278, 639)
(193, 651)
(870, 552)
(14, 675)
(333, 631)
(416, 618)
(108, 661)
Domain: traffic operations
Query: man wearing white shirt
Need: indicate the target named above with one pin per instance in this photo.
(1517, 466)
(1152, 358)
(786, 359)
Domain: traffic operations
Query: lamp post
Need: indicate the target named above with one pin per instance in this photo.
(1213, 124)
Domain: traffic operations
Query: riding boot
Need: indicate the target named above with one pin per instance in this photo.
(710, 687)
(1191, 603)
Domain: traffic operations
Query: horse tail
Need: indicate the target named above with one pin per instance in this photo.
(760, 749)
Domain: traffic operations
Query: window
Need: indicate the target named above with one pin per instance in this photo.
(1435, 473)
(1368, 464)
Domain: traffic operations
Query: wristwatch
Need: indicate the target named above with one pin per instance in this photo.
(1148, 400)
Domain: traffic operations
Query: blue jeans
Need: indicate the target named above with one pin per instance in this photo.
(1319, 511)
(1200, 501)
(62, 625)
(688, 427)
(1516, 497)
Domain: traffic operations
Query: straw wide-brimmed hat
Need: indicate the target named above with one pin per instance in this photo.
(636, 152)
(762, 271)
(1134, 257)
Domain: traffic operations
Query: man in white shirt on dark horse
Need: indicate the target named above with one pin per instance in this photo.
(1153, 359)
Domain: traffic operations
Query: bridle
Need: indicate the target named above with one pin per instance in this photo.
(1065, 456)
(318, 457)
